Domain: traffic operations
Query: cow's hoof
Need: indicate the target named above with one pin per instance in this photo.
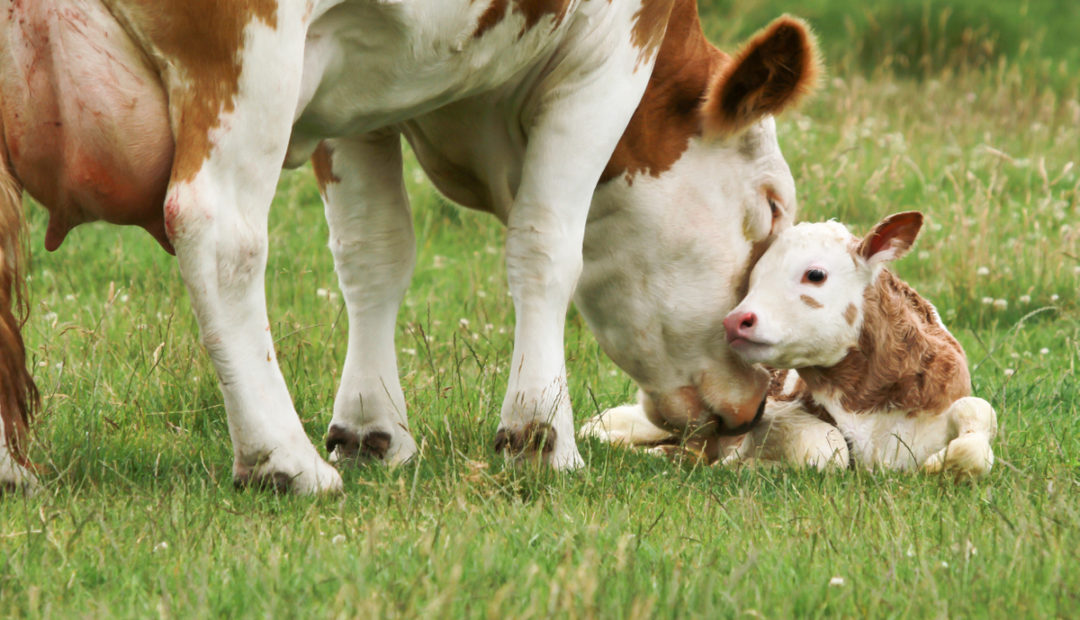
(14, 478)
(282, 474)
(374, 444)
(537, 442)
(534, 438)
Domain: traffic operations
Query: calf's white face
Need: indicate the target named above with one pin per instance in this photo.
(804, 306)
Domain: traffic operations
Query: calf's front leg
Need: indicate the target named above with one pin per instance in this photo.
(972, 425)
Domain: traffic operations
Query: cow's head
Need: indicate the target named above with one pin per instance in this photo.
(805, 303)
(695, 192)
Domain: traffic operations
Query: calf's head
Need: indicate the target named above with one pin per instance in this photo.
(804, 306)
(696, 190)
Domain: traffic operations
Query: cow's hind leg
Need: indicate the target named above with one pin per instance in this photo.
(13, 475)
(972, 425)
(371, 237)
(216, 208)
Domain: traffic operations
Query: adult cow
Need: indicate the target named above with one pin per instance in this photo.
(176, 115)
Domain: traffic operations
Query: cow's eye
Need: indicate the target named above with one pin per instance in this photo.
(814, 276)
(774, 207)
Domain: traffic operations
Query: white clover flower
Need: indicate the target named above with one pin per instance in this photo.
(161, 546)
(463, 323)
(1044, 351)
(836, 582)
(1025, 299)
(982, 271)
(1054, 298)
(339, 539)
(321, 292)
(987, 301)
(1010, 372)
(1000, 304)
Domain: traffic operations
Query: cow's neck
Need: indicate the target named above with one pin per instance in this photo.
(669, 113)
(905, 360)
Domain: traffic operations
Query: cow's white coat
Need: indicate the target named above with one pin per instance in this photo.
(519, 122)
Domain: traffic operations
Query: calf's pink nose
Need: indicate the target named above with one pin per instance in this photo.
(739, 325)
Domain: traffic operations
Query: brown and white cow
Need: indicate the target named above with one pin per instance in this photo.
(635, 166)
(877, 372)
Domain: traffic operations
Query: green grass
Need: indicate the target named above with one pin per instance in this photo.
(138, 516)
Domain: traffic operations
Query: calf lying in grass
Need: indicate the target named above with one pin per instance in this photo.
(876, 371)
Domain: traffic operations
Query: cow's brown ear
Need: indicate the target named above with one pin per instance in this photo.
(778, 67)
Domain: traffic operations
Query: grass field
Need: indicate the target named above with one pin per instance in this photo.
(138, 516)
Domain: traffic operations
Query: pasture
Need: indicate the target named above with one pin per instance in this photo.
(971, 115)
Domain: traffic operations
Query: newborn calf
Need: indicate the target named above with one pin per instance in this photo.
(877, 372)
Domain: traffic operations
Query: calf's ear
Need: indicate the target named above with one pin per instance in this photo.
(892, 237)
(778, 67)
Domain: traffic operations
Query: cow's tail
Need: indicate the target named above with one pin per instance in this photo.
(18, 394)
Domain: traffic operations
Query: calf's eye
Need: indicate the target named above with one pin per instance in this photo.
(814, 276)
(775, 208)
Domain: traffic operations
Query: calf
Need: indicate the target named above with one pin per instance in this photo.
(635, 166)
(877, 372)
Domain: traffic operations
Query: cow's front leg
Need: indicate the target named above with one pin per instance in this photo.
(371, 237)
(569, 144)
(224, 176)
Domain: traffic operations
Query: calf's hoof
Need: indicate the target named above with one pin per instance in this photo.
(343, 443)
(967, 456)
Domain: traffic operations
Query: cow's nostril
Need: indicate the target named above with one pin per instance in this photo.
(748, 320)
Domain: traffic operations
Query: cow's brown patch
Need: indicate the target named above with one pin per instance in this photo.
(202, 40)
(532, 10)
(322, 164)
(777, 68)
(650, 24)
(491, 16)
(810, 301)
(850, 314)
(668, 115)
(905, 359)
(535, 10)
